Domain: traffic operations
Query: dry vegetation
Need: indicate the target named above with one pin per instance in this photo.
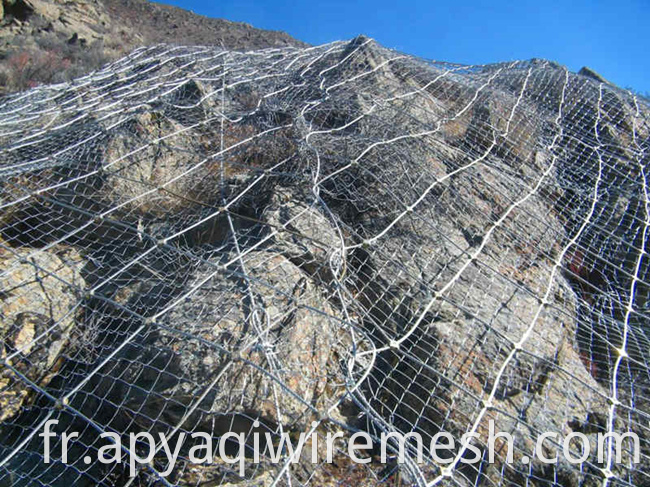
(42, 41)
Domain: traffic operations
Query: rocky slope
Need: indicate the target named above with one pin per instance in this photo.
(196, 239)
(44, 41)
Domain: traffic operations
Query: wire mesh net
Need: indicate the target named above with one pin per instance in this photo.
(324, 241)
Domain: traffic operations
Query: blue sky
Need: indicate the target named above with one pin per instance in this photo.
(611, 37)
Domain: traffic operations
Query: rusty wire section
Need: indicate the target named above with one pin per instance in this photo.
(335, 239)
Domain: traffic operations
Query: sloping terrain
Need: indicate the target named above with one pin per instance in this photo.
(325, 240)
(157, 23)
(45, 41)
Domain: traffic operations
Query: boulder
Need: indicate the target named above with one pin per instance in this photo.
(275, 320)
(139, 164)
(39, 295)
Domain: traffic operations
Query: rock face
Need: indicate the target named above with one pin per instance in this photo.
(341, 238)
(295, 331)
(39, 296)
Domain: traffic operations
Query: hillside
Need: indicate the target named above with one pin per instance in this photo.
(328, 240)
(45, 41)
